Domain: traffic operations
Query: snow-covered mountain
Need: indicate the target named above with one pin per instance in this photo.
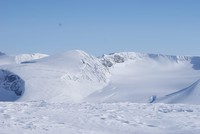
(137, 77)
(69, 76)
(76, 76)
(9, 59)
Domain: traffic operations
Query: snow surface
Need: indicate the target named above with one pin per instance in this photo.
(40, 117)
(119, 93)
(186, 95)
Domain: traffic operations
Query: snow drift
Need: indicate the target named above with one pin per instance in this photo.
(187, 95)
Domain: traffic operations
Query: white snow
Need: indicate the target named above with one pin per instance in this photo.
(135, 77)
(119, 93)
(188, 95)
(29, 57)
(8, 59)
(70, 76)
(40, 117)
(76, 76)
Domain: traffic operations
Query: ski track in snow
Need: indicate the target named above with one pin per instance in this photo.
(98, 118)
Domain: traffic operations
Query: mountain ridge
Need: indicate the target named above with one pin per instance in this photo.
(75, 76)
(120, 57)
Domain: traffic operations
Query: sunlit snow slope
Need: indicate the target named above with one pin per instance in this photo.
(76, 76)
(69, 76)
(140, 77)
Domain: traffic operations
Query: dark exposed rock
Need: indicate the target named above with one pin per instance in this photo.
(2, 53)
(195, 61)
(11, 82)
(118, 59)
(111, 59)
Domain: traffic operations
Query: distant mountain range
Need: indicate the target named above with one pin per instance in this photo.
(76, 76)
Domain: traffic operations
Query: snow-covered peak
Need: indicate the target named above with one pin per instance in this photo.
(79, 65)
(71, 60)
(28, 57)
(68, 76)
(17, 59)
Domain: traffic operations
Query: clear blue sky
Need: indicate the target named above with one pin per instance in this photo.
(100, 26)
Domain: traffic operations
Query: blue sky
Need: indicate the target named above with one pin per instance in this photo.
(100, 26)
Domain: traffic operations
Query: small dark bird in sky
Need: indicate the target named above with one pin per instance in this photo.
(59, 24)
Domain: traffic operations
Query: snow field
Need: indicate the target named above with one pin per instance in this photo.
(98, 118)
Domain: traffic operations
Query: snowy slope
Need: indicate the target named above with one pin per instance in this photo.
(69, 76)
(187, 95)
(136, 76)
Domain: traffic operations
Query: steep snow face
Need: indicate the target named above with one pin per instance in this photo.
(69, 76)
(11, 86)
(136, 77)
(188, 95)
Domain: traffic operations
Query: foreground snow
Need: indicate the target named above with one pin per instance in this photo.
(98, 118)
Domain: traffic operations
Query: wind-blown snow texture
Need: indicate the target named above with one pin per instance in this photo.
(113, 92)
(87, 118)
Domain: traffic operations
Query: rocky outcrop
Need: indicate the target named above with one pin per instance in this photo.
(2, 53)
(11, 82)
